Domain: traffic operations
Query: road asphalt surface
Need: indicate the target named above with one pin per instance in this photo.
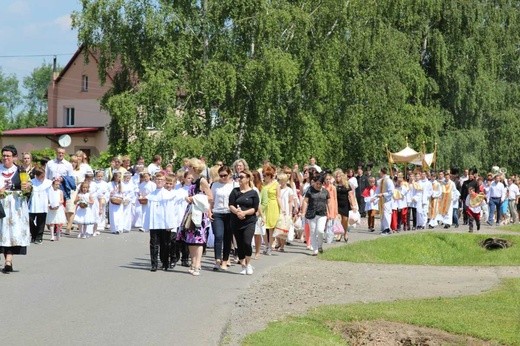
(101, 291)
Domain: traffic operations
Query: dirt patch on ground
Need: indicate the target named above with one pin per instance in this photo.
(398, 334)
(293, 286)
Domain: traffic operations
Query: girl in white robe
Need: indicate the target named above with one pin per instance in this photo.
(115, 208)
(129, 200)
(145, 187)
(102, 196)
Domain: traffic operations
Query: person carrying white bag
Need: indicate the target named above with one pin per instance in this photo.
(315, 210)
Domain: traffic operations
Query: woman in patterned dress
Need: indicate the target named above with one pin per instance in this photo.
(14, 227)
(192, 235)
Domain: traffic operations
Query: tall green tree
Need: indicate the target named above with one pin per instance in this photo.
(34, 112)
(10, 97)
(283, 80)
(36, 85)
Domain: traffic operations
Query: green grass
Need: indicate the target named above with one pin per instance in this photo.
(514, 228)
(494, 316)
(449, 249)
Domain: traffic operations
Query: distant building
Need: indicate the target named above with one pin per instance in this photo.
(73, 108)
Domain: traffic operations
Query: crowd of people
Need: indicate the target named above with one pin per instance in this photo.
(241, 213)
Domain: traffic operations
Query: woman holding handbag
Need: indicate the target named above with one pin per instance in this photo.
(286, 202)
(315, 209)
(332, 212)
(196, 222)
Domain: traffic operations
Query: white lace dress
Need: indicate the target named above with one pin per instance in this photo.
(56, 216)
(14, 227)
(84, 215)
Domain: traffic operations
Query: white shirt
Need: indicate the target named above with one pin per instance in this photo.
(39, 201)
(55, 168)
(513, 192)
(155, 215)
(389, 188)
(153, 168)
(146, 187)
(353, 183)
(102, 189)
(497, 190)
(476, 209)
(175, 208)
(286, 194)
(221, 194)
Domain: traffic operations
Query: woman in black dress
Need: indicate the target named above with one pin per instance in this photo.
(243, 204)
(346, 200)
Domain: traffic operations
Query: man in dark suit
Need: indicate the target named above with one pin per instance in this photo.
(362, 181)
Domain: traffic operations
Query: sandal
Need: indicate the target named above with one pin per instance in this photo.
(8, 267)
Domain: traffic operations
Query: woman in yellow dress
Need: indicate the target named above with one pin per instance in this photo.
(271, 189)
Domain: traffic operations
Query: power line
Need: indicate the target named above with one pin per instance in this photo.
(33, 55)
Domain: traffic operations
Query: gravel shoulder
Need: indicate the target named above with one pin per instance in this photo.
(304, 282)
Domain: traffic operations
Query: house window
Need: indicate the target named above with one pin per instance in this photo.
(69, 116)
(84, 83)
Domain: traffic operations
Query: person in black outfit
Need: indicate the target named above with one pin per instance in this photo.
(464, 192)
(362, 181)
(344, 195)
(243, 204)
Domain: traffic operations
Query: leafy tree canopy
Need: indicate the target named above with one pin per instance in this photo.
(283, 80)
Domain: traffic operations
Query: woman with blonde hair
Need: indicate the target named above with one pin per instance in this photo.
(346, 199)
(82, 159)
(332, 208)
(286, 203)
(214, 174)
(238, 166)
(260, 223)
(27, 165)
(196, 221)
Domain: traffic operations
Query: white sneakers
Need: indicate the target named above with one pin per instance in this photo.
(247, 270)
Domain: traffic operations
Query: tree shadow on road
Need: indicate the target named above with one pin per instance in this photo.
(138, 263)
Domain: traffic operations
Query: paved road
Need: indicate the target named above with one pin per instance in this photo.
(100, 291)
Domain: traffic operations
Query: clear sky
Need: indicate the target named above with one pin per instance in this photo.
(35, 27)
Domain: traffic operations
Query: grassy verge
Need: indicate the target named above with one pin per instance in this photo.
(429, 248)
(514, 228)
(494, 316)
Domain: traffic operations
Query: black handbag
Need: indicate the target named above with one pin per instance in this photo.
(2, 211)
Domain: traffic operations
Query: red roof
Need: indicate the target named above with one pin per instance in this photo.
(49, 131)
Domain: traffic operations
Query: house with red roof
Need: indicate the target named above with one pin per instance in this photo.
(74, 109)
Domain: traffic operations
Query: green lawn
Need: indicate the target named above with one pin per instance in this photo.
(514, 228)
(429, 248)
(494, 315)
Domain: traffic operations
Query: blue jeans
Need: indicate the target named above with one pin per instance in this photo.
(455, 218)
(494, 203)
(223, 235)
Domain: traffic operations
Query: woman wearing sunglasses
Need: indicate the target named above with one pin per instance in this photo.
(221, 217)
(243, 204)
